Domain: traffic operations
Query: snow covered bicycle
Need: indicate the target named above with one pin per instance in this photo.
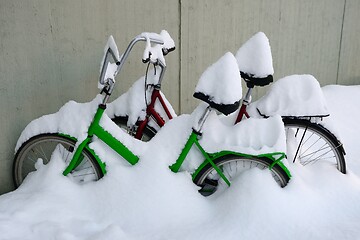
(297, 98)
(215, 167)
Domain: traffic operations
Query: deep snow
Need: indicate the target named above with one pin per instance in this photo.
(148, 201)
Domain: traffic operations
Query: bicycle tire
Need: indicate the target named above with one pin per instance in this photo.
(208, 179)
(42, 146)
(148, 133)
(318, 144)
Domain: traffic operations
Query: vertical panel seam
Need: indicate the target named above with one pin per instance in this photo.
(340, 47)
(180, 67)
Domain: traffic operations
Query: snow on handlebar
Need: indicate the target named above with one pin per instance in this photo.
(112, 62)
(163, 45)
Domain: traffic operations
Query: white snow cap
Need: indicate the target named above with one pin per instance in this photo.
(112, 45)
(111, 67)
(254, 56)
(221, 81)
(155, 50)
(295, 95)
(168, 41)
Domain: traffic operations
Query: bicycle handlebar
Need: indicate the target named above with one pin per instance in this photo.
(162, 40)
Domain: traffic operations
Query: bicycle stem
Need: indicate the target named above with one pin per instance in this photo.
(163, 69)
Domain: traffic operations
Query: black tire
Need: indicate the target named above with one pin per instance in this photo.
(310, 143)
(232, 165)
(148, 134)
(42, 146)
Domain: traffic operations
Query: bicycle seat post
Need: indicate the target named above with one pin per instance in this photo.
(247, 98)
(202, 119)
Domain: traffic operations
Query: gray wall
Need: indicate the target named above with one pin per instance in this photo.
(50, 50)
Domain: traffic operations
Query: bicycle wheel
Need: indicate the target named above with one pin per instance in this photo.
(42, 146)
(311, 143)
(232, 166)
(148, 133)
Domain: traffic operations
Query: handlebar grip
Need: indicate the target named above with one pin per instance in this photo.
(167, 50)
(169, 44)
(163, 45)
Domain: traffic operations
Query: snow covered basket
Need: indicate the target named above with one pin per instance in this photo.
(220, 85)
(295, 95)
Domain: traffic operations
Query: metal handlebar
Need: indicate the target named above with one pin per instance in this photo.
(153, 38)
(131, 45)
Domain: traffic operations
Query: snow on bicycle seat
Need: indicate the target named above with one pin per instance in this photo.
(220, 85)
(295, 95)
(255, 61)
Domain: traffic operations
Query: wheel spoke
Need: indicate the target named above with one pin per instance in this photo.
(319, 144)
(317, 151)
(42, 146)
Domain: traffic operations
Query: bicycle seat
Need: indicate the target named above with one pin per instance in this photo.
(220, 85)
(252, 81)
(255, 61)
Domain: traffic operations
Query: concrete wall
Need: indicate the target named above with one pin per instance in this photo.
(50, 50)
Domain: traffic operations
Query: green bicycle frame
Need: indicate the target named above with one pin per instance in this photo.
(96, 130)
(276, 157)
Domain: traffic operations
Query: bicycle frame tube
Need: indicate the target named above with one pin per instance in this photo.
(106, 137)
(151, 112)
(246, 101)
(241, 114)
(162, 102)
(193, 139)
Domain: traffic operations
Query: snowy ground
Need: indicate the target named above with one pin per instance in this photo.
(148, 201)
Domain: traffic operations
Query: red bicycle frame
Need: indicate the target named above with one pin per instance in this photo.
(246, 101)
(151, 112)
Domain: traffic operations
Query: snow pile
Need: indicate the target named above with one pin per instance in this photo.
(295, 95)
(344, 112)
(148, 201)
(73, 119)
(254, 56)
(252, 136)
(221, 81)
